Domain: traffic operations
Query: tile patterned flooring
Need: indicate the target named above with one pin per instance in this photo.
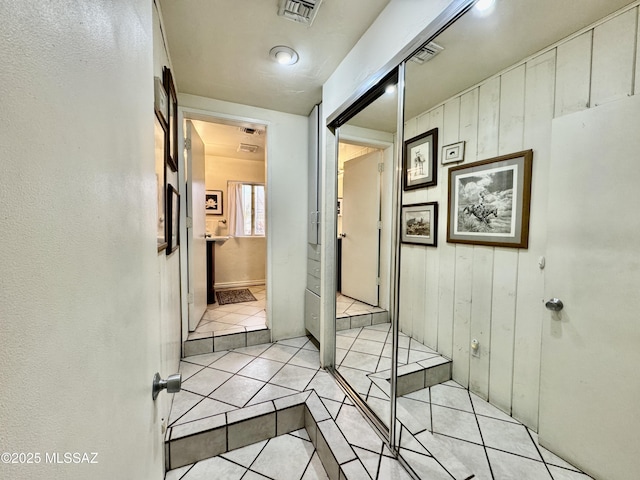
(439, 426)
(234, 317)
(349, 307)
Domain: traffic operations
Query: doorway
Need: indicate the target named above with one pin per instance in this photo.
(230, 213)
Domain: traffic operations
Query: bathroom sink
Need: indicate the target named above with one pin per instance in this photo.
(218, 239)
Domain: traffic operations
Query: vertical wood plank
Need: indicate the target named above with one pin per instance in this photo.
(462, 314)
(405, 312)
(573, 75)
(539, 110)
(511, 111)
(511, 133)
(488, 119)
(481, 293)
(503, 310)
(614, 44)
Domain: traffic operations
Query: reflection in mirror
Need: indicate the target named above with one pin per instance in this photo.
(366, 151)
(493, 83)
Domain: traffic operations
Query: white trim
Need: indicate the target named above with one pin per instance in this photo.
(245, 283)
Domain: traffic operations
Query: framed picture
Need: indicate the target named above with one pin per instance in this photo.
(172, 120)
(453, 153)
(489, 201)
(419, 166)
(161, 104)
(419, 224)
(213, 202)
(160, 133)
(173, 219)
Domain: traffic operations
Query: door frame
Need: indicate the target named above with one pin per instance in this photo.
(385, 238)
(186, 113)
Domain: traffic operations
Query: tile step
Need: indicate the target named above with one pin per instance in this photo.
(210, 342)
(208, 437)
(415, 376)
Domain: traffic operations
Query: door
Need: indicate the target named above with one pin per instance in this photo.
(590, 385)
(196, 241)
(360, 220)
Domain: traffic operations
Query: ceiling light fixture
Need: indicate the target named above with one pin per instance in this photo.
(390, 89)
(484, 6)
(284, 55)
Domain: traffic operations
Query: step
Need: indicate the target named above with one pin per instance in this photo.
(208, 437)
(345, 321)
(209, 342)
(415, 376)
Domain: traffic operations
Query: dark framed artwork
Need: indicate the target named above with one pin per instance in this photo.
(160, 133)
(172, 120)
(419, 165)
(419, 224)
(213, 203)
(173, 219)
(489, 201)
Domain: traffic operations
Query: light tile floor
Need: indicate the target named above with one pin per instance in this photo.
(491, 444)
(347, 306)
(234, 317)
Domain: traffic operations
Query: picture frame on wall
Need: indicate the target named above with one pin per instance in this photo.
(161, 101)
(489, 201)
(173, 219)
(419, 224)
(419, 162)
(213, 202)
(160, 134)
(172, 120)
(453, 153)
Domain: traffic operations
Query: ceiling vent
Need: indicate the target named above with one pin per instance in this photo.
(301, 11)
(426, 53)
(247, 148)
(249, 131)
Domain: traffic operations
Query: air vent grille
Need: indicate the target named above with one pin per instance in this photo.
(247, 148)
(250, 131)
(426, 53)
(301, 11)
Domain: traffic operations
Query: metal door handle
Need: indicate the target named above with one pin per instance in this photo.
(173, 384)
(343, 235)
(555, 304)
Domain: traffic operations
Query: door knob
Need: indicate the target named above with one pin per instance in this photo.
(173, 384)
(555, 305)
(343, 235)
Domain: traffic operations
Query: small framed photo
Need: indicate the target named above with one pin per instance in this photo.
(489, 201)
(453, 153)
(173, 219)
(419, 163)
(420, 224)
(213, 202)
(172, 120)
(161, 104)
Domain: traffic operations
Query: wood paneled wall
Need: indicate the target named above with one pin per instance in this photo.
(454, 293)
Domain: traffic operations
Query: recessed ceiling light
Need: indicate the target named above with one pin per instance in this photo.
(483, 6)
(390, 89)
(284, 55)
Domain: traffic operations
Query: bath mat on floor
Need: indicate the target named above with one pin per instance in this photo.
(235, 296)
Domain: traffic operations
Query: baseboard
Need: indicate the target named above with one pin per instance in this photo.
(246, 283)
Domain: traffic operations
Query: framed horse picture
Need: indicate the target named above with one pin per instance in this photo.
(489, 201)
(420, 160)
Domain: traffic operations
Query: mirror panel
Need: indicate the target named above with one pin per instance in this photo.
(366, 153)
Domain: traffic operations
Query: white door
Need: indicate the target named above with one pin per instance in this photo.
(196, 241)
(590, 380)
(360, 217)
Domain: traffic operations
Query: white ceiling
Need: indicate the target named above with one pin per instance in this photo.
(220, 49)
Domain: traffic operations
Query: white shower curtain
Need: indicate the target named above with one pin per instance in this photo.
(236, 216)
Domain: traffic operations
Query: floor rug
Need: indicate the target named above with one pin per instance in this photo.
(235, 296)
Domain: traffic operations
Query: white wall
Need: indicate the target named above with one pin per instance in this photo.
(286, 207)
(239, 260)
(496, 294)
(81, 325)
